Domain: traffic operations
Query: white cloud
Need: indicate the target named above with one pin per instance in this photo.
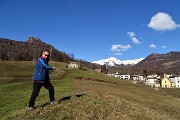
(118, 53)
(153, 46)
(118, 48)
(163, 46)
(162, 22)
(132, 36)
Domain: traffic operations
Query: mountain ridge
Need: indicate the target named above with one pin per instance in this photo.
(154, 63)
(161, 63)
(112, 61)
(30, 50)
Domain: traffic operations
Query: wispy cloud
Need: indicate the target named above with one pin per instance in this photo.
(142, 25)
(118, 53)
(162, 22)
(163, 46)
(132, 36)
(119, 47)
(153, 46)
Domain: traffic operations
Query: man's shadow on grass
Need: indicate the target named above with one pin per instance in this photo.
(64, 99)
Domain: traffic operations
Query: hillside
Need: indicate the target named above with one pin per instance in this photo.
(168, 63)
(83, 94)
(31, 49)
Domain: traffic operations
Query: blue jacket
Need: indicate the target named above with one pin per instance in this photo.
(40, 70)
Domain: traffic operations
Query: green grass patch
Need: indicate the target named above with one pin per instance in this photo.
(15, 69)
(95, 98)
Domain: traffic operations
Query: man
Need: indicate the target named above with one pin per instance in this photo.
(41, 78)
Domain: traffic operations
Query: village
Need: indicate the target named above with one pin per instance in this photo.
(154, 80)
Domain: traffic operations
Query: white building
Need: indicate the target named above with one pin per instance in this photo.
(150, 80)
(137, 78)
(73, 65)
(111, 74)
(124, 77)
(176, 80)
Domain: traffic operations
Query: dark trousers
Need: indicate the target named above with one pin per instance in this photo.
(36, 89)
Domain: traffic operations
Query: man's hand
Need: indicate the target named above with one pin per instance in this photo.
(54, 67)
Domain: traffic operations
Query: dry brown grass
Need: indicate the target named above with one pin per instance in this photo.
(97, 98)
(130, 102)
(108, 101)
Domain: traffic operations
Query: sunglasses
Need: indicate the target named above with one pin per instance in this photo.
(46, 55)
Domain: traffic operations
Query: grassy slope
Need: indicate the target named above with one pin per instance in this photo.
(100, 97)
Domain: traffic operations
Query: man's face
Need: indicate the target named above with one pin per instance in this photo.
(45, 55)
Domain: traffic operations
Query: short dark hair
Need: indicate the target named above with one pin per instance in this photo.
(45, 50)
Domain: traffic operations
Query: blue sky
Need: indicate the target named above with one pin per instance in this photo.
(95, 29)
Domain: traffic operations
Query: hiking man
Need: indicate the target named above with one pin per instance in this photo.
(41, 78)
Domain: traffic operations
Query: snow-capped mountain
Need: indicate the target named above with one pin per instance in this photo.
(112, 61)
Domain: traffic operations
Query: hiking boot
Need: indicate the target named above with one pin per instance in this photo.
(31, 108)
(53, 103)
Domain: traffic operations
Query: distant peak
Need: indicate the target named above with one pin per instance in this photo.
(112, 58)
(155, 53)
(112, 61)
(33, 40)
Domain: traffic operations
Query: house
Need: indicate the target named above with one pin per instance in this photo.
(73, 65)
(117, 74)
(137, 78)
(176, 80)
(167, 83)
(121, 76)
(125, 77)
(152, 80)
(112, 74)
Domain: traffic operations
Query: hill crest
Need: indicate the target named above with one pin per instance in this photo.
(161, 63)
(29, 50)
